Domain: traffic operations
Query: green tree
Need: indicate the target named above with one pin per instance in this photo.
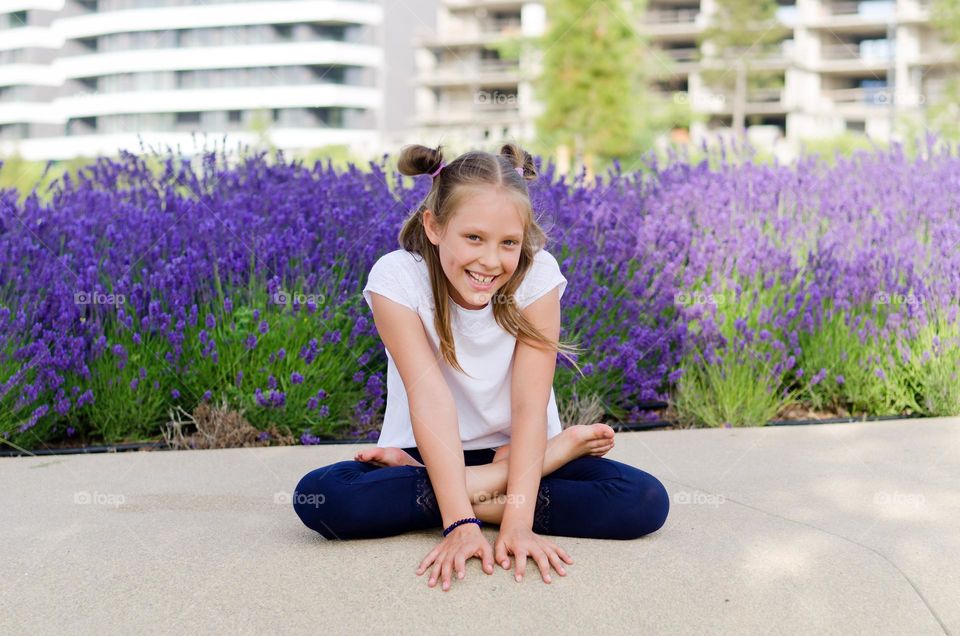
(591, 84)
(740, 35)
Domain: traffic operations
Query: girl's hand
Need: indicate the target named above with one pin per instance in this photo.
(462, 544)
(521, 542)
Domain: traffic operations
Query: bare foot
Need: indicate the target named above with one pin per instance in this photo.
(387, 457)
(575, 441)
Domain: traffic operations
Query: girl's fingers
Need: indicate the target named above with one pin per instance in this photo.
(561, 552)
(557, 563)
(544, 564)
(427, 560)
(500, 556)
(435, 574)
(521, 562)
(445, 572)
(486, 555)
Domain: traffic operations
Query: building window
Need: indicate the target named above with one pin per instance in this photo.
(14, 131)
(81, 126)
(188, 118)
(17, 19)
(235, 116)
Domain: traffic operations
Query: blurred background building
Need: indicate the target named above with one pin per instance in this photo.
(82, 77)
(464, 89)
(844, 66)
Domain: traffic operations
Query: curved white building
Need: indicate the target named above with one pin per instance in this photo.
(88, 77)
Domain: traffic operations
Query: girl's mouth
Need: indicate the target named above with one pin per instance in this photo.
(478, 282)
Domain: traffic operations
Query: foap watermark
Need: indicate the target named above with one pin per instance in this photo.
(496, 299)
(697, 298)
(490, 98)
(314, 499)
(281, 297)
(886, 98)
(885, 298)
(499, 498)
(87, 498)
(700, 498)
(901, 499)
(98, 298)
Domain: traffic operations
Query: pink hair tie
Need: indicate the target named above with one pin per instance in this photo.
(437, 171)
(520, 171)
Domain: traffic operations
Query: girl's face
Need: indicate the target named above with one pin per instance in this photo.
(484, 237)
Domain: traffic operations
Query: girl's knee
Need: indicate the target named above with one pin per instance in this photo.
(317, 492)
(649, 504)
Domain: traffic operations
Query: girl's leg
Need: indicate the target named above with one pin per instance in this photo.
(356, 500)
(586, 497)
(593, 497)
(359, 500)
(489, 480)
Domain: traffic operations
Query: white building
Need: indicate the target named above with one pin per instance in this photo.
(85, 77)
(853, 66)
(465, 91)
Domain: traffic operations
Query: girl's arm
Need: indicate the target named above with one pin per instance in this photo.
(532, 381)
(433, 411)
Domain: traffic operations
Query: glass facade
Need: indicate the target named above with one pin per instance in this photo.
(214, 120)
(223, 36)
(189, 117)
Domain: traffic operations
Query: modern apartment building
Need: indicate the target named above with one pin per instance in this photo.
(465, 91)
(84, 77)
(844, 66)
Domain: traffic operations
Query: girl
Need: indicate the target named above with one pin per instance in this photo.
(469, 314)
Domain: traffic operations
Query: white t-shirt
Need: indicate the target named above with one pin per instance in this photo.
(484, 350)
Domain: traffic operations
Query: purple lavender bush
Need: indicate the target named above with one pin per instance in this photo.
(723, 286)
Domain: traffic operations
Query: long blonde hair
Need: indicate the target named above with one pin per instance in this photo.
(450, 187)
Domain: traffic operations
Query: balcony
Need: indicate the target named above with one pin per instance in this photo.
(478, 33)
(483, 4)
(932, 53)
(855, 17)
(769, 59)
(668, 23)
(468, 112)
(871, 97)
(854, 58)
(759, 101)
(472, 72)
(667, 62)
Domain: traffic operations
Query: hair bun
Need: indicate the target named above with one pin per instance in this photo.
(519, 158)
(416, 159)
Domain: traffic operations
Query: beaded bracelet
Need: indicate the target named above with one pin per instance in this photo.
(462, 521)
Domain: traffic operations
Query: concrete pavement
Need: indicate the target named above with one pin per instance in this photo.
(843, 528)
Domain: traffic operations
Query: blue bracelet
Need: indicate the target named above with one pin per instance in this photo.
(462, 521)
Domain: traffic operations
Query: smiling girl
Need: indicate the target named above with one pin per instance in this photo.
(469, 314)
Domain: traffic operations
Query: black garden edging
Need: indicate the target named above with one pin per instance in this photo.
(619, 427)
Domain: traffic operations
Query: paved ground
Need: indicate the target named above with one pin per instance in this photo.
(845, 528)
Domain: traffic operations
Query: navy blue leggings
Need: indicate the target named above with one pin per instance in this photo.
(591, 497)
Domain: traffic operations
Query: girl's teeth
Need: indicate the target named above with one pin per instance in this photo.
(479, 280)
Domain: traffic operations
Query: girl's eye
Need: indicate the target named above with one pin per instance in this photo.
(511, 241)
